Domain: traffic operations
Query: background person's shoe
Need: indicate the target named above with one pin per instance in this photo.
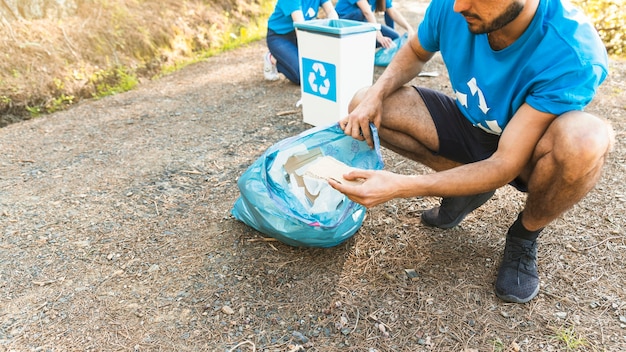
(453, 210)
(269, 69)
(518, 279)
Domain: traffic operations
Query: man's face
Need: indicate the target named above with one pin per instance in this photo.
(488, 15)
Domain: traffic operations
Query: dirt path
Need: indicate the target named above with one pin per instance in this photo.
(116, 234)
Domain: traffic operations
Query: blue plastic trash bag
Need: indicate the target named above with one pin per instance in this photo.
(269, 204)
(383, 56)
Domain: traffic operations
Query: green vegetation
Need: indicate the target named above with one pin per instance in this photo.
(569, 338)
(233, 36)
(113, 81)
(109, 45)
(34, 111)
(59, 103)
(498, 345)
(609, 19)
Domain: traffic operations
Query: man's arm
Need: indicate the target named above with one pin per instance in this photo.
(329, 9)
(406, 64)
(515, 149)
(399, 19)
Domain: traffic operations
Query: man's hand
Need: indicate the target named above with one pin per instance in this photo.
(378, 187)
(357, 123)
(367, 105)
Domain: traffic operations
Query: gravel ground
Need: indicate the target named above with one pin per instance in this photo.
(116, 235)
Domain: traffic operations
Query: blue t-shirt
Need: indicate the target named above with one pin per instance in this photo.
(344, 7)
(281, 22)
(555, 66)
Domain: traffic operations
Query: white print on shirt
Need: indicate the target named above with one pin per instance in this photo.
(310, 13)
(492, 125)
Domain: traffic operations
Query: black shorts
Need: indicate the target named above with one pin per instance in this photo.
(459, 140)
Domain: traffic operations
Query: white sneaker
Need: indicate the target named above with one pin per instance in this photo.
(269, 69)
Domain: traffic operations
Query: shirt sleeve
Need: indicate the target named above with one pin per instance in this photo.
(559, 92)
(428, 31)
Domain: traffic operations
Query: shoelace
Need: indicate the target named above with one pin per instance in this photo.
(523, 254)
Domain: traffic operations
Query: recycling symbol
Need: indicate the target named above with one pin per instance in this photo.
(319, 71)
(319, 78)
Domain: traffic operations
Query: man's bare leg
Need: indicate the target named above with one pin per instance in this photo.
(408, 129)
(565, 166)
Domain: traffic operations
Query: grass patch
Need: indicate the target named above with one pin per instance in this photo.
(498, 345)
(108, 46)
(113, 81)
(570, 339)
(234, 36)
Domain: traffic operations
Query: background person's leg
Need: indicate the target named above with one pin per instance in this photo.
(284, 48)
(389, 21)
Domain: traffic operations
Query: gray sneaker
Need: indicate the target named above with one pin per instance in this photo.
(518, 280)
(453, 210)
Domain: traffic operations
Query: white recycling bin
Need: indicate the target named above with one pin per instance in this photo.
(336, 60)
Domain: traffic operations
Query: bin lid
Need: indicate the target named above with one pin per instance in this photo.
(337, 26)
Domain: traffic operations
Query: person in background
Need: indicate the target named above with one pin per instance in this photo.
(363, 10)
(281, 36)
(521, 73)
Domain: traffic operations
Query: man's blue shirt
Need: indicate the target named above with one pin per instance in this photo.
(555, 66)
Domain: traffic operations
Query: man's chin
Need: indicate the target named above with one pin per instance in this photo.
(475, 29)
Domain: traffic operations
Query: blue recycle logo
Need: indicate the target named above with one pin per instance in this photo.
(320, 79)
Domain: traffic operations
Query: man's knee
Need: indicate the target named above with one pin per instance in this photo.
(586, 133)
(580, 140)
(356, 99)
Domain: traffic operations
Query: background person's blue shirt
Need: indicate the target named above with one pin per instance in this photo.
(555, 66)
(281, 22)
(344, 7)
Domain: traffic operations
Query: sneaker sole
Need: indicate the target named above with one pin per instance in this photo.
(515, 299)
